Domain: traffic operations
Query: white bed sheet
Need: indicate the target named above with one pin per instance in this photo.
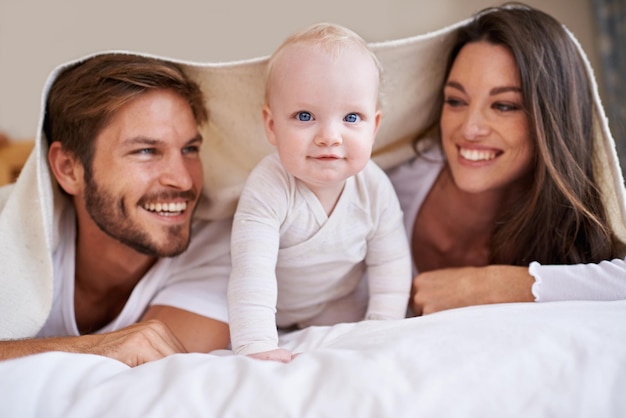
(565, 359)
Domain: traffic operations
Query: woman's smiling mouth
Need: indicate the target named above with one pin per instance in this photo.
(477, 155)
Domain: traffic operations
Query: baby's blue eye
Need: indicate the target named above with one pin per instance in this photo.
(304, 116)
(351, 118)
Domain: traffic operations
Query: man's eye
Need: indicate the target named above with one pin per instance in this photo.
(192, 149)
(304, 116)
(145, 151)
(351, 118)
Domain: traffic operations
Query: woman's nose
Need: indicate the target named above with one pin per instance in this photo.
(475, 125)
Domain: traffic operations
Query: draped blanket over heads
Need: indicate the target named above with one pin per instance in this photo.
(234, 141)
(487, 360)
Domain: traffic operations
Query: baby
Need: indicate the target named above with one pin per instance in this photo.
(317, 214)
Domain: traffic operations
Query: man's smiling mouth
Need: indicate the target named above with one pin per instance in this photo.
(165, 208)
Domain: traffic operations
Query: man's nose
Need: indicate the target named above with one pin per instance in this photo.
(176, 173)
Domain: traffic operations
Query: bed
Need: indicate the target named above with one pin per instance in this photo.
(560, 359)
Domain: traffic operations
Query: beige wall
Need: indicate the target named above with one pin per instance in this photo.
(38, 35)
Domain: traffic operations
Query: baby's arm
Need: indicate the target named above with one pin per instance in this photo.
(252, 288)
(389, 276)
(388, 261)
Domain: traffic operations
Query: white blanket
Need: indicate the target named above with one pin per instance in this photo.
(565, 359)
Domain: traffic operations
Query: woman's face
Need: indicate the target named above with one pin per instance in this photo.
(484, 127)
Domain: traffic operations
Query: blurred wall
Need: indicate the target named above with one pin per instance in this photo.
(38, 35)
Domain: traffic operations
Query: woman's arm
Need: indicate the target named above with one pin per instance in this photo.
(443, 289)
(602, 281)
(452, 288)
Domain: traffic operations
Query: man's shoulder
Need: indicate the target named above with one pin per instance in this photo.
(209, 245)
(208, 235)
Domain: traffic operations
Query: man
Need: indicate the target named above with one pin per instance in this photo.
(135, 277)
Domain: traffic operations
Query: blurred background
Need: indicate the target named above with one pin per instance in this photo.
(38, 35)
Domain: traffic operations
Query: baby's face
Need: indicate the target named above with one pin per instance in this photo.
(323, 113)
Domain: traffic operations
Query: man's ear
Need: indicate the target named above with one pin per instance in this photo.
(268, 123)
(67, 169)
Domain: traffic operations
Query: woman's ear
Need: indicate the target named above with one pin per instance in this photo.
(66, 168)
(268, 122)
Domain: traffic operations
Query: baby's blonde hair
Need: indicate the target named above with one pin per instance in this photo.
(329, 37)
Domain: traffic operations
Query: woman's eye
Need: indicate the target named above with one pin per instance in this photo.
(351, 118)
(506, 107)
(453, 101)
(304, 116)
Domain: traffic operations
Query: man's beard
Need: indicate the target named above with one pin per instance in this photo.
(112, 218)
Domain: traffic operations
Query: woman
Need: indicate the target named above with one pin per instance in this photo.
(513, 210)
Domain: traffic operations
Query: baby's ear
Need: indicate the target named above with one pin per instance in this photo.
(268, 123)
(378, 118)
(67, 170)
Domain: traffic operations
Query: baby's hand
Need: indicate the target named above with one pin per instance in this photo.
(279, 354)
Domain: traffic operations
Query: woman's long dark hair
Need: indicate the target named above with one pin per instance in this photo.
(561, 219)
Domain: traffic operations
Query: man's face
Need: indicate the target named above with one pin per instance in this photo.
(147, 175)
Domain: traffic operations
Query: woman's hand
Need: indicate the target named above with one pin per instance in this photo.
(450, 288)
